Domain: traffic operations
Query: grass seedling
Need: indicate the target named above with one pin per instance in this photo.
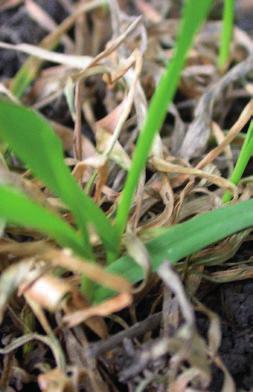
(226, 35)
(183, 240)
(31, 138)
(242, 161)
(192, 18)
(42, 152)
(43, 155)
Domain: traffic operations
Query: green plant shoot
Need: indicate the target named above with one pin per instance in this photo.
(242, 161)
(183, 240)
(226, 35)
(31, 137)
(16, 208)
(193, 17)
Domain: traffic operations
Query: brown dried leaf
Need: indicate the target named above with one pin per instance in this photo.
(228, 383)
(52, 343)
(110, 121)
(4, 90)
(188, 344)
(55, 381)
(49, 85)
(56, 290)
(167, 196)
(234, 274)
(93, 271)
(214, 329)
(105, 309)
(114, 151)
(148, 11)
(95, 324)
(168, 167)
(244, 117)
(223, 251)
(7, 4)
(13, 277)
(181, 384)
(40, 16)
(60, 58)
(111, 47)
(28, 249)
(199, 131)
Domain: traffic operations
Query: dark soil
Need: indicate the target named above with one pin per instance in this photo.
(17, 27)
(233, 302)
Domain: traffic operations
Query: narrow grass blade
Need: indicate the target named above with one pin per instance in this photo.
(32, 139)
(184, 240)
(192, 18)
(18, 209)
(226, 35)
(242, 161)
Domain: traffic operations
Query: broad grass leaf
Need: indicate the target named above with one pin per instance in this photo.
(30, 136)
(184, 240)
(18, 209)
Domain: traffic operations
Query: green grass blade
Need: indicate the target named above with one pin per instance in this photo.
(242, 161)
(193, 15)
(184, 240)
(30, 136)
(226, 35)
(18, 209)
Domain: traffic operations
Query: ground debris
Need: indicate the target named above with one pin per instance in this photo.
(91, 69)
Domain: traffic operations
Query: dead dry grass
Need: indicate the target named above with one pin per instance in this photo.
(106, 71)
